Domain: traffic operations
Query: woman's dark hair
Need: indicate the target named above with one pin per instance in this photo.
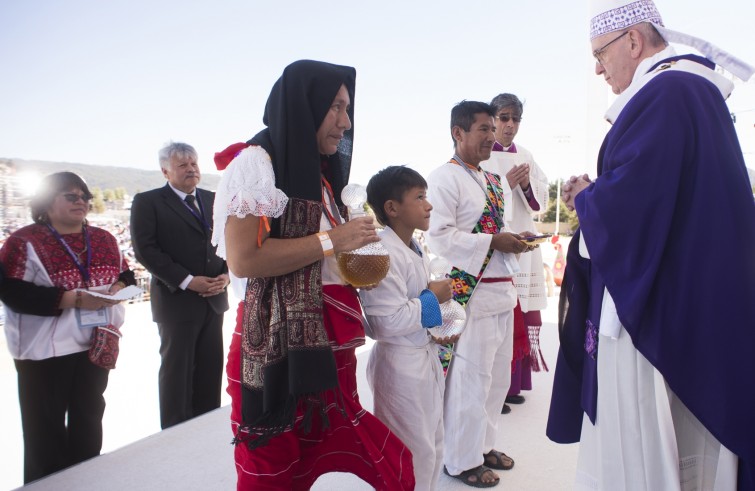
(50, 187)
(391, 183)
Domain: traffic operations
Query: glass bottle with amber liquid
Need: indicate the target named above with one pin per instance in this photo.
(366, 266)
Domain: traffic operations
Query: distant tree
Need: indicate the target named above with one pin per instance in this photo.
(564, 214)
(550, 214)
(552, 191)
(120, 192)
(98, 203)
(108, 195)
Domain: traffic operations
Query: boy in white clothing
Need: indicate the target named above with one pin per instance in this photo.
(404, 370)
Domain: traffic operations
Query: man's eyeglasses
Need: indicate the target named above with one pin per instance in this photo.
(505, 118)
(598, 53)
(74, 197)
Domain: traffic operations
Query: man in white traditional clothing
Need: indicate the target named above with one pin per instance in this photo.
(404, 371)
(467, 228)
(525, 192)
(664, 334)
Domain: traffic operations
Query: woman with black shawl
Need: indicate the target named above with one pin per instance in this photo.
(292, 369)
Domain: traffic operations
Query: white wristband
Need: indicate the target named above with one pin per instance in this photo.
(326, 243)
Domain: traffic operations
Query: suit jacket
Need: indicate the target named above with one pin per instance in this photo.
(172, 244)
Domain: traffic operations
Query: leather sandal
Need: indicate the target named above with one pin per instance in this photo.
(498, 460)
(475, 473)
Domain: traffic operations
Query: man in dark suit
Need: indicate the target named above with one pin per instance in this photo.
(171, 229)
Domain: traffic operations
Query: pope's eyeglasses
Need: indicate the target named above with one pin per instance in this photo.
(598, 53)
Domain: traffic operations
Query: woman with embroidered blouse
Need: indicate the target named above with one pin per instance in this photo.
(50, 319)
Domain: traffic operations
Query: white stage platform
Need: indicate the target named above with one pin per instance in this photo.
(197, 455)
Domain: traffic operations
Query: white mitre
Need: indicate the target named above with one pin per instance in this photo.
(616, 15)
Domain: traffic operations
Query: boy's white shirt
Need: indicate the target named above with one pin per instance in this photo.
(393, 309)
(404, 370)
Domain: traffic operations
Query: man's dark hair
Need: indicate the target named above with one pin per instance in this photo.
(463, 115)
(391, 183)
(503, 101)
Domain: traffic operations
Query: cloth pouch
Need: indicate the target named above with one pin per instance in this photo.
(104, 349)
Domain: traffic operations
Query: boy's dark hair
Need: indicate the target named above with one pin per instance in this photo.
(391, 183)
(463, 115)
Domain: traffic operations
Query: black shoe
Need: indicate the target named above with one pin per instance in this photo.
(506, 409)
(517, 399)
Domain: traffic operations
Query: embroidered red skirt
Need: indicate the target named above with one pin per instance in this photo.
(358, 444)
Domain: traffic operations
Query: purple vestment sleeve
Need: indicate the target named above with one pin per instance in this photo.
(531, 199)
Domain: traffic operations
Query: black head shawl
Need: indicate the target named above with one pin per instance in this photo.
(297, 105)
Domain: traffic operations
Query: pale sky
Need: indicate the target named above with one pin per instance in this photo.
(109, 82)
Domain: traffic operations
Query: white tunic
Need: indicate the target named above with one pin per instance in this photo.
(480, 373)
(404, 371)
(458, 202)
(530, 281)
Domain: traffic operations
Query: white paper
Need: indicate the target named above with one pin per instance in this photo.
(123, 294)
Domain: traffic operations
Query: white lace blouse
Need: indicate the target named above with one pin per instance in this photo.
(247, 187)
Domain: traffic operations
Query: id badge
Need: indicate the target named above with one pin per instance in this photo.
(92, 318)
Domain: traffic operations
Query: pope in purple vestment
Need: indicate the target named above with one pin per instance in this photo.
(670, 225)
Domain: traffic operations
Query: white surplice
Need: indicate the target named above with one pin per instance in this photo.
(404, 371)
(480, 374)
(530, 280)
